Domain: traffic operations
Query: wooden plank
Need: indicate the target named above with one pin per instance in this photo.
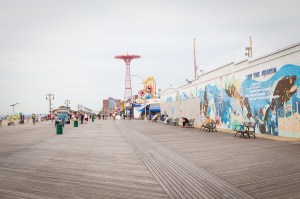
(205, 185)
(91, 161)
(259, 167)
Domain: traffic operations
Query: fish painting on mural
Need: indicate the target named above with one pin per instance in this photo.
(283, 92)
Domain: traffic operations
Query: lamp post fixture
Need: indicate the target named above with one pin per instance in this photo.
(13, 105)
(79, 106)
(138, 77)
(67, 102)
(50, 96)
(145, 109)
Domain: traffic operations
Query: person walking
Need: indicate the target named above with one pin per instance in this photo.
(56, 120)
(63, 119)
(114, 116)
(81, 118)
(22, 118)
(86, 118)
(33, 118)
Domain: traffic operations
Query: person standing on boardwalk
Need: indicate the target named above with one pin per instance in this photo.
(22, 119)
(56, 120)
(33, 118)
(52, 118)
(114, 116)
(81, 118)
(63, 119)
(86, 118)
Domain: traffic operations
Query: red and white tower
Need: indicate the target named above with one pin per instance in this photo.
(128, 90)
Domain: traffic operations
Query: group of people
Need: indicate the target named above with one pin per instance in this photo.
(36, 118)
(10, 120)
(62, 118)
(185, 121)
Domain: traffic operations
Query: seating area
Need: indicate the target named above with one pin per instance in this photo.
(191, 123)
(245, 130)
(211, 126)
(175, 122)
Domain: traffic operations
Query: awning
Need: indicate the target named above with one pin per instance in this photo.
(141, 108)
(154, 109)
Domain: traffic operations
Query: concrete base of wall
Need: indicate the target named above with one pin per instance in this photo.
(271, 137)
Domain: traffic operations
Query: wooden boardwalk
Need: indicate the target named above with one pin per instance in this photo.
(179, 177)
(137, 159)
(92, 161)
(262, 168)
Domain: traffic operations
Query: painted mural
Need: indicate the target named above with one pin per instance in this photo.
(274, 104)
(270, 98)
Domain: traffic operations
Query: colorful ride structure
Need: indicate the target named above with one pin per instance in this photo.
(128, 89)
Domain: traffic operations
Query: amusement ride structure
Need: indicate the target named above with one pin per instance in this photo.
(128, 90)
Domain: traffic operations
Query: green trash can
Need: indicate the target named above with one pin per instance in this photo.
(59, 129)
(93, 119)
(75, 123)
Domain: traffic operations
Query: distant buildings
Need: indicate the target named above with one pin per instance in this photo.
(111, 104)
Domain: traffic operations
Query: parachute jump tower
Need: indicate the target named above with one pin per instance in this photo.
(128, 90)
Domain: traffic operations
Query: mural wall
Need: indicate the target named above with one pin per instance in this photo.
(267, 96)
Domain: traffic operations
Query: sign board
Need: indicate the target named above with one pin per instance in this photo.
(153, 101)
(111, 103)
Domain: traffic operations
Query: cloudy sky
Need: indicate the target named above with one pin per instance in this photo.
(67, 47)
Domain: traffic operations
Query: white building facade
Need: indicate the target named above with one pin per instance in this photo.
(264, 90)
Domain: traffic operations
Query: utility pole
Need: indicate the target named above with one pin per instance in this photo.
(50, 96)
(13, 105)
(195, 65)
(249, 49)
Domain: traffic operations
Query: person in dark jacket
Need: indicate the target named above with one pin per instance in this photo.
(185, 121)
(81, 118)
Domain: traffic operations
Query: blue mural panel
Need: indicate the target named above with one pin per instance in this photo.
(270, 104)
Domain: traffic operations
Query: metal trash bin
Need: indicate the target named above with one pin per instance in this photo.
(59, 129)
(75, 123)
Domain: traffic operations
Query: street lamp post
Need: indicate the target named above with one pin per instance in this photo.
(13, 105)
(67, 102)
(145, 109)
(48, 97)
(79, 106)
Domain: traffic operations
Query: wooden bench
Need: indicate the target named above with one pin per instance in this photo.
(190, 124)
(211, 126)
(175, 122)
(168, 121)
(246, 129)
(10, 123)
